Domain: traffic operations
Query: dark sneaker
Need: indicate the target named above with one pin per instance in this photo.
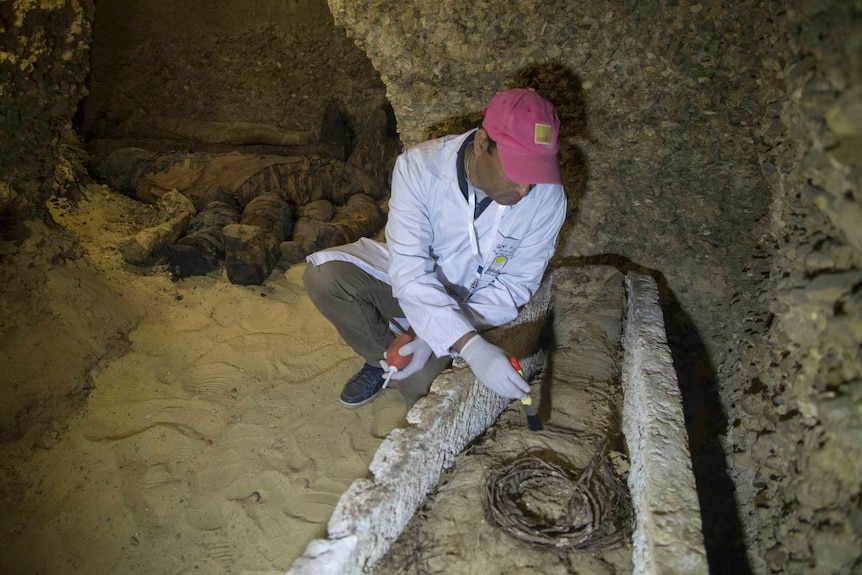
(364, 387)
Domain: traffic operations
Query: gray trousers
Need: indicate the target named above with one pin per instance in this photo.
(360, 307)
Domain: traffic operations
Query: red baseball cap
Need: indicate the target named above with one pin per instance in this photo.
(527, 131)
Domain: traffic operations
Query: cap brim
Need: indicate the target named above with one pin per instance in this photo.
(530, 168)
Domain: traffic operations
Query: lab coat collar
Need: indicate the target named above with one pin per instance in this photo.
(444, 165)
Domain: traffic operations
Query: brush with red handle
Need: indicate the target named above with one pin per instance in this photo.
(533, 420)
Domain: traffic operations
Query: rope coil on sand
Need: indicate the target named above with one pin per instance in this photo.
(545, 505)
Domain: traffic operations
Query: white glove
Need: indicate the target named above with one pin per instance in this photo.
(491, 366)
(421, 354)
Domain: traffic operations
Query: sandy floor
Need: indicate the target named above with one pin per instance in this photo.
(211, 442)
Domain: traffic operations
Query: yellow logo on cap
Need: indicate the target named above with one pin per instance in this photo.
(543, 134)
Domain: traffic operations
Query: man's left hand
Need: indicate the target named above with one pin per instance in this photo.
(492, 367)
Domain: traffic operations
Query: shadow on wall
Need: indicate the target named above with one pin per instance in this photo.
(705, 421)
(563, 88)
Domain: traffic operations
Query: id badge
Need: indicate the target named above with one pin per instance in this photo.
(504, 249)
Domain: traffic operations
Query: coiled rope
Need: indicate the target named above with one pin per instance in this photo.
(545, 505)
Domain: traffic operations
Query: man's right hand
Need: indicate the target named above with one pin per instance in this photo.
(421, 352)
(492, 367)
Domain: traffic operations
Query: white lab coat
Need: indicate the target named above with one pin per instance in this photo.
(428, 258)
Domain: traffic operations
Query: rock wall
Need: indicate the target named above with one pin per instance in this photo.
(267, 62)
(714, 146)
(44, 60)
(796, 438)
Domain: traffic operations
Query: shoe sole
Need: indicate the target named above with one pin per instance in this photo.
(363, 402)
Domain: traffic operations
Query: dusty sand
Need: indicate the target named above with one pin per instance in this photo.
(210, 441)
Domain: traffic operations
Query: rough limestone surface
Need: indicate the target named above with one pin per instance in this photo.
(794, 442)
(329, 556)
(44, 60)
(667, 537)
(408, 464)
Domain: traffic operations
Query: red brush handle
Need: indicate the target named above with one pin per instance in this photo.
(514, 361)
